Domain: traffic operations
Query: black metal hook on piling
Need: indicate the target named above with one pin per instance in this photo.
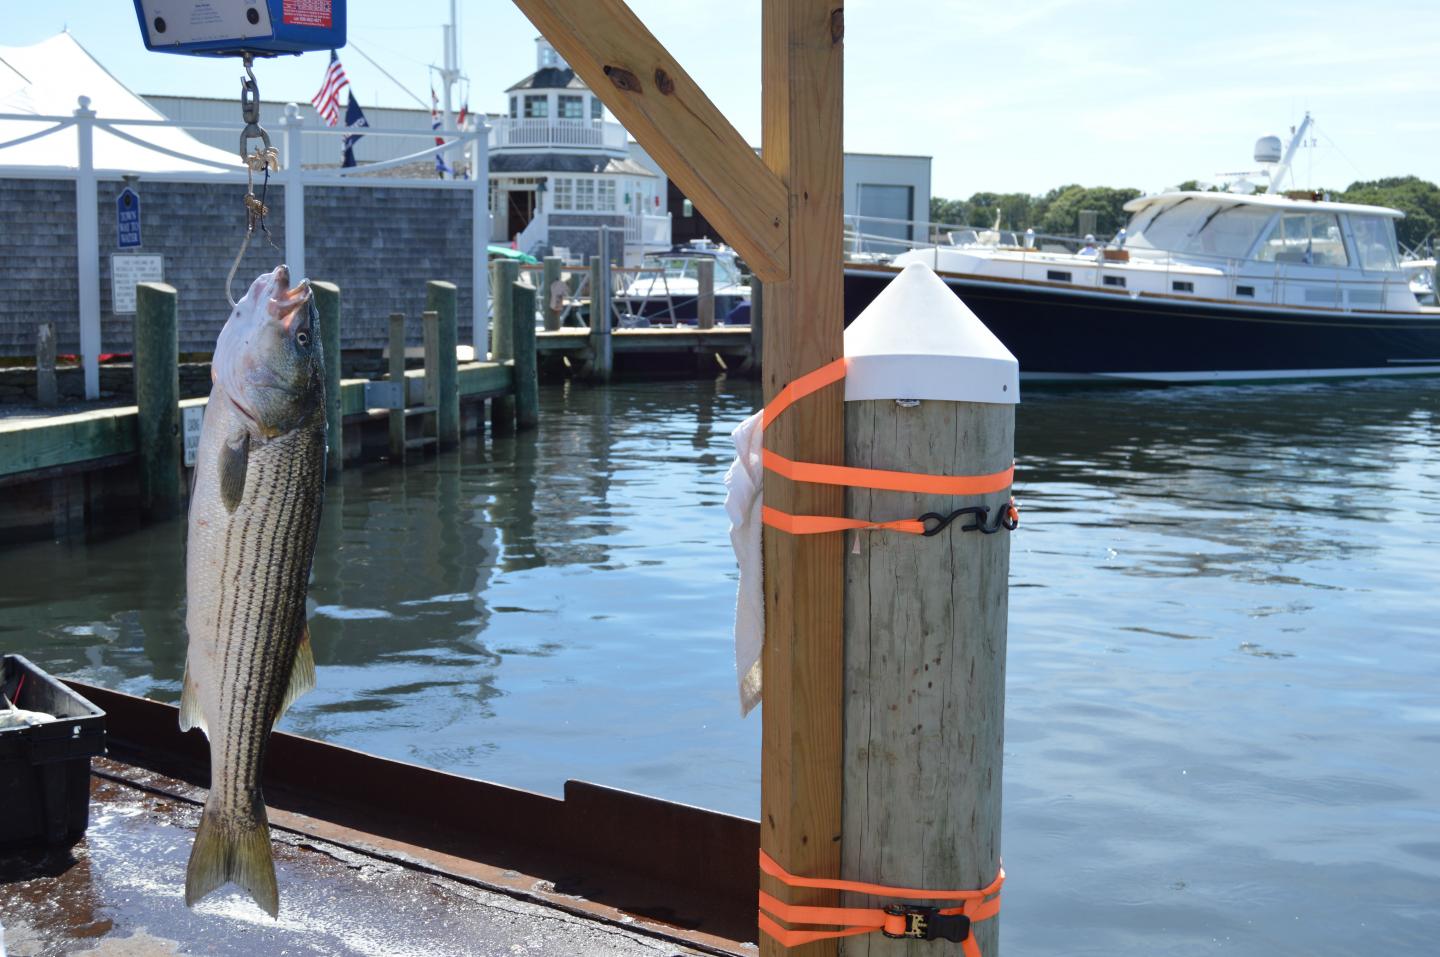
(1004, 518)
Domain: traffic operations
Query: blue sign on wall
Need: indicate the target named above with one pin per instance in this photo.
(127, 218)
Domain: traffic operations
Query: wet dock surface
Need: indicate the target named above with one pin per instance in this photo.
(120, 892)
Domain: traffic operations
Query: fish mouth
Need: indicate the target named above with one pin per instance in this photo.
(286, 305)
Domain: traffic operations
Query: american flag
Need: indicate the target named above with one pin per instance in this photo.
(327, 101)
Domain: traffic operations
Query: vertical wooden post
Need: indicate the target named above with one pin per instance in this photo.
(327, 302)
(526, 376)
(549, 276)
(705, 303)
(803, 663)
(504, 274)
(46, 390)
(397, 376)
(430, 332)
(602, 361)
(442, 299)
(157, 393)
(925, 622)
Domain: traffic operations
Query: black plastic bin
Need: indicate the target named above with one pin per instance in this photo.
(45, 769)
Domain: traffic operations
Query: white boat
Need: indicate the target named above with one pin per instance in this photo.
(667, 288)
(1199, 286)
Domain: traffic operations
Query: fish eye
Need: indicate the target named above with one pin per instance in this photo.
(302, 338)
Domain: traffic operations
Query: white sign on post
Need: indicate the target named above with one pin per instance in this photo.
(192, 417)
(125, 272)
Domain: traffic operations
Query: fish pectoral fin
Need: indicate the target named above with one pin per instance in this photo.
(234, 459)
(191, 714)
(302, 676)
(227, 848)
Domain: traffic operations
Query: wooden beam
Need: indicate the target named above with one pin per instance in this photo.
(675, 121)
(803, 328)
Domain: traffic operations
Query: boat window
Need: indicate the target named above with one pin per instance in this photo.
(726, 273)
(572, 107)
(537, 107)
(1115, 281)
(1057, 275)
(1178, 286)
(677, 268)
(1375, 241)
(1310, 238)
(1229, 233)
(1245, 291)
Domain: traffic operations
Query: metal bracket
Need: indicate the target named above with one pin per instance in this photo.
(384, 394)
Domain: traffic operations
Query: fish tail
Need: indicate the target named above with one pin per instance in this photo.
(228, 848)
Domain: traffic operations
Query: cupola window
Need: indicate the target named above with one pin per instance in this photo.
(537, 107)
(597, 109)
(572, 107)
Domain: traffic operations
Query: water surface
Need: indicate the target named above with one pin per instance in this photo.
(1223, 711)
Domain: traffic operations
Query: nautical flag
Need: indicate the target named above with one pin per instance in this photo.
(440, 168)
(354, 119)
(327, 101)
(460, 125)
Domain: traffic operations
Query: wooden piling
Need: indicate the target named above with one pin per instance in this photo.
(526, 376)
(705, 301)
(549, 276)
(397, 376)
(47, 392)
(157, 394)
(327, 302)
(801, 764)
(925, 626)
(504, 274)
(430, 333)
(441, 298)
(602, 354)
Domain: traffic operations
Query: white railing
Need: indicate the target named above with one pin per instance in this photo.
(293, 176)
(647, 231)
(575, 134)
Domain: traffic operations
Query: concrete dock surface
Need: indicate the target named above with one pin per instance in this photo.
(120, 893)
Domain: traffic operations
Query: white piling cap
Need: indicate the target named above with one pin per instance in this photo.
(917, 340)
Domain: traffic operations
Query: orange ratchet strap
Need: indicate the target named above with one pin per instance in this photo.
(901, 921)
(869, 478)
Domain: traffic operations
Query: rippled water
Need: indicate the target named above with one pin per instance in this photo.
(1223, 712)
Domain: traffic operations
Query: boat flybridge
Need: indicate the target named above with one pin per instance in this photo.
(1199, 286)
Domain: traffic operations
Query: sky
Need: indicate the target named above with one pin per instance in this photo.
(1005, 96)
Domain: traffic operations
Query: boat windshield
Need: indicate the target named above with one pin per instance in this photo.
(1375, 241)
(1202, 227)
(1309, 238)
(683, 267)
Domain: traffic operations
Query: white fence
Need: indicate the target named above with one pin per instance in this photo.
(292, 176)
(531, 133)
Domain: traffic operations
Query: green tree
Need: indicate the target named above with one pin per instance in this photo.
(1418, 199)
(1062, 208)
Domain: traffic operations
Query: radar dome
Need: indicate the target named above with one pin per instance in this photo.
(1268, 149)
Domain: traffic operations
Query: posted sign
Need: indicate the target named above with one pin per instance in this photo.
(127, 219)
(192, 417)
(125, 272)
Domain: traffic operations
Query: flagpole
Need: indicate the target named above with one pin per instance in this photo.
(447, 79)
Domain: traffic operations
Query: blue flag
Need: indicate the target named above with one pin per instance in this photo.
(354, 119)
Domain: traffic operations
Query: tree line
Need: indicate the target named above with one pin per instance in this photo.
(1058, 211)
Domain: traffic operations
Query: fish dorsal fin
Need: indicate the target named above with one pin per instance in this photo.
(234, 460)
(191, 714)
(302, 676)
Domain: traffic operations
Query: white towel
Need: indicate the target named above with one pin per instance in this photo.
(743, 498)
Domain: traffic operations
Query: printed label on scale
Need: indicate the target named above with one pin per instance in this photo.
(192, 417)
(307, 13)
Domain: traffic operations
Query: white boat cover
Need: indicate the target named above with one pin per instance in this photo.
(47, 78)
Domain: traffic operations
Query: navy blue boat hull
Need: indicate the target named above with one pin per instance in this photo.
(1062, 334)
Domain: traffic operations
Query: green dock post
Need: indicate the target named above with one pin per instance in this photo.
(397, 375)
(549, 276)
(157, 393)
(46, 390)
(327, 302)
(526, 376)
(602, 356)
(441, 298)
(705, 304)
(505, 273)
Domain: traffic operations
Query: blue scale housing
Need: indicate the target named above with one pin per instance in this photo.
(233, 27)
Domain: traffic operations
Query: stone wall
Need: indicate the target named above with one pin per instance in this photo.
(380, 244)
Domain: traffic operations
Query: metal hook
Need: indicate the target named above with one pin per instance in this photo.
(250, 110)
(1006, 518)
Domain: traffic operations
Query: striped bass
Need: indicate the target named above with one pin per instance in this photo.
(254, 516)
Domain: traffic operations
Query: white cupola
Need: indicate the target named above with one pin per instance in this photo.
(546, 56)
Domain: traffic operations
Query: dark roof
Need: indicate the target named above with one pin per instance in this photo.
(564, 163)
(550, 78)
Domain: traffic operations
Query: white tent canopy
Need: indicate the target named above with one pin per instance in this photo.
(49, 77)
